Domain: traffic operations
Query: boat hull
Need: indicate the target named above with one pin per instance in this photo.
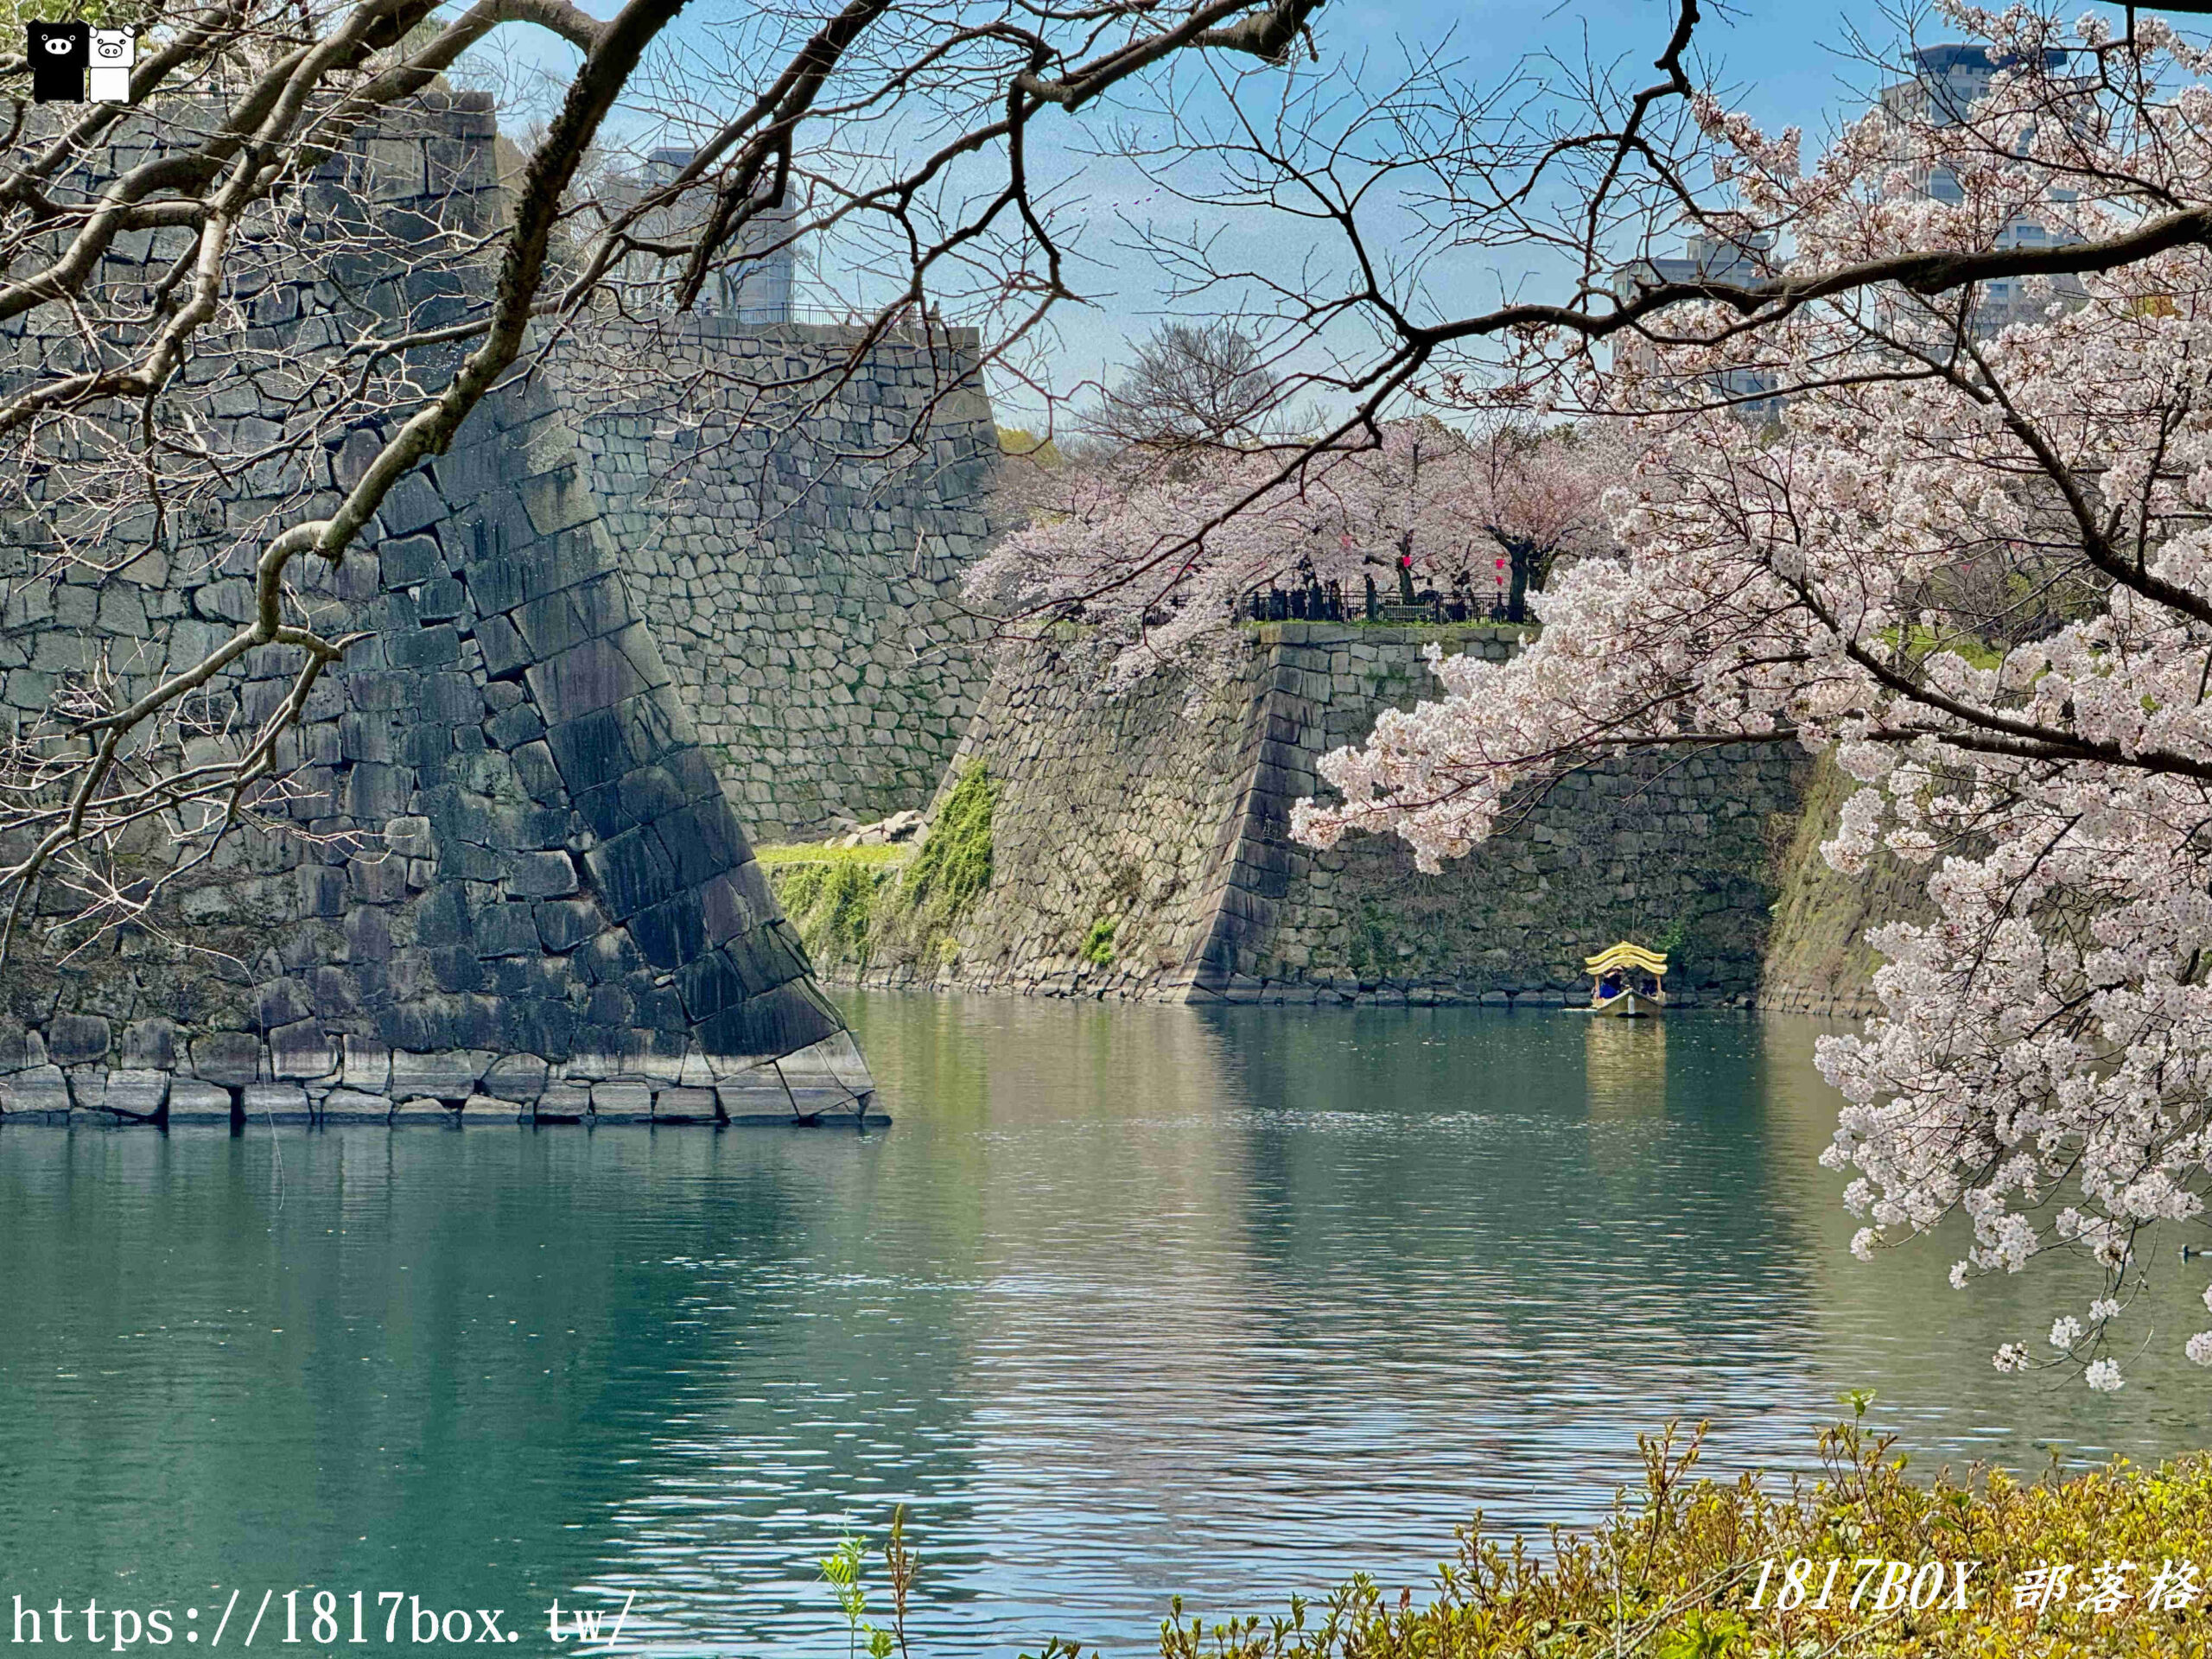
(1629, 1005)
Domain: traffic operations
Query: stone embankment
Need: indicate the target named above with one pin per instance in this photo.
(1139, 846)
(519, 881)
(62, 1076)
(1818, 960)
(800, 553)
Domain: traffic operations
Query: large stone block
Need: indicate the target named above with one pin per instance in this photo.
(191, 1101)
(541, 875)
(672, 934)
(581, 680)
(563, 1102)
(685, 1105)
(621, 1102)
(411, 505)
(231, 1057)
(631, 872)
(451, 1074)
(516, 1078)
(592, 753)
(267, 1103)
(136, 1092)
(506, 930)
(562, 926)
(302, 1050)
(78, 1038)
(409, 559)
(41, 1089)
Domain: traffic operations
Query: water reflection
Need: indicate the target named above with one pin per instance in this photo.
(1129, 1301)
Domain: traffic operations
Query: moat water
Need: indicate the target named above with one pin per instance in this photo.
(1128, 1302)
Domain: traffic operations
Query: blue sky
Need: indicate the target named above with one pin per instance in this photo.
(1783, 63)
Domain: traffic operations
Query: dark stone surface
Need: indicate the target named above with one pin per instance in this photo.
(592, 753)
(670, 934)
(232, 1057)
(78, 1038)
(562, 927)
(631, 873)
(409, 559)
(541, 876)
(506, 930)
(283, 1002)
(510, 807)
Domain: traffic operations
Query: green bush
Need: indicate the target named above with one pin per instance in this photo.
(1098, 949)
(955, 862)
(858, 907)
(832, 902)
(1675, 1572)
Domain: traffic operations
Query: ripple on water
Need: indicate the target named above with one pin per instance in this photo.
(1130, 1303)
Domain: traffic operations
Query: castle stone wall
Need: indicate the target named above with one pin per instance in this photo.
(797, 515)
(516, 885)
(1141, 843)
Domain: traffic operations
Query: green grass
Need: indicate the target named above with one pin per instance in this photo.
(955, 862)
(857, 907)
(1098, 949)
(821, 852)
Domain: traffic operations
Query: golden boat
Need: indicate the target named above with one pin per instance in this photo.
(1621, 998)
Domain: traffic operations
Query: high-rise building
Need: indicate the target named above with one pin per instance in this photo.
(1706, 257)
(758, 290)
(1948, 81)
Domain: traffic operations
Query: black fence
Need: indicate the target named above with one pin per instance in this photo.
(1315, 601)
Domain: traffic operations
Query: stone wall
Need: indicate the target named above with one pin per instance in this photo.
(1818, 959)
(798, 514)
(1140, 844)
(516, 885)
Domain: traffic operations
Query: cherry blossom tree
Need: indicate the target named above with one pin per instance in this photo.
(1972, 562)
(1479, 513)
(897, 133)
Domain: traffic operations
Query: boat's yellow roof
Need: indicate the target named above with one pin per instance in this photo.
(1625, 955)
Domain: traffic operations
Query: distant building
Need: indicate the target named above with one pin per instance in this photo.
(1948, 81)
(758, 291)
(1709, 258)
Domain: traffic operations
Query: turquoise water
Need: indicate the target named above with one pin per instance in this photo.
(1127, 1302)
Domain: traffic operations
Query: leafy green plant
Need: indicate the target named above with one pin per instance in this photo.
(1098, 949)
(1674, 1572)
(1702, 1636)
(955, 862)
(832, 900)
(842, 1568)
(857, 908)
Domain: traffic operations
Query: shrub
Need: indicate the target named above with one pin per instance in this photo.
(831, 895)
(859, 907)
(1098, 949)
(955, 862)
(1674, 1573)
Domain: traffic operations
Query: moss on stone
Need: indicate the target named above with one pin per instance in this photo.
(857, 907)
(1818, 958)
(815, 852)
(831, 899)
(1098, 948)
(955, 862)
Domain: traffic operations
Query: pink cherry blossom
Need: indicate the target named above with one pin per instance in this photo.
(1973, 562)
